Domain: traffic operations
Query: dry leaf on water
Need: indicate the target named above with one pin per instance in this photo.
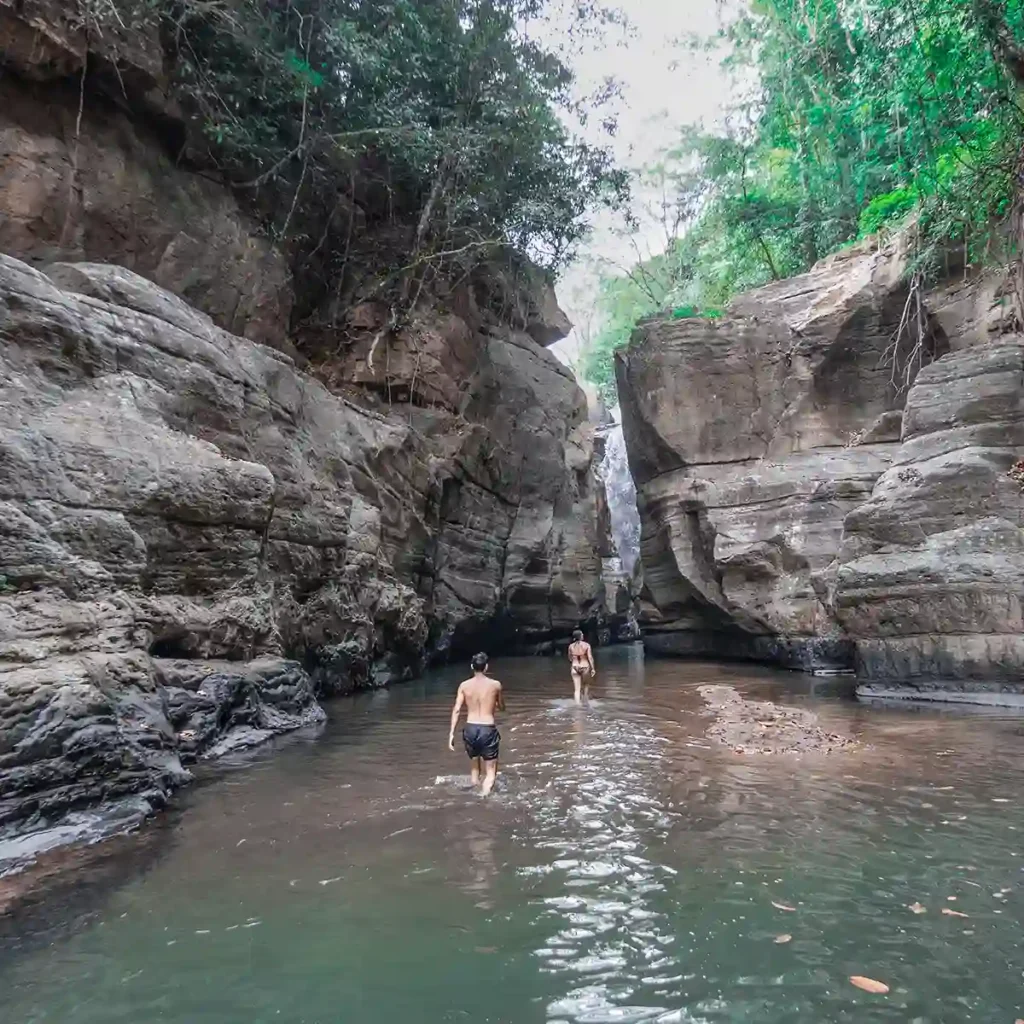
(917, 908)
(784, 906)
(952, 913)
(782, 939)
(879, 988)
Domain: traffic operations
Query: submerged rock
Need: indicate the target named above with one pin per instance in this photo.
(761, 727)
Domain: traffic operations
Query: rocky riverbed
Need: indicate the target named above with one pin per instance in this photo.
(763, 727)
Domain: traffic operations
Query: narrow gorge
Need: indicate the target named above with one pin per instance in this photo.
(222, 499)
(256, 451)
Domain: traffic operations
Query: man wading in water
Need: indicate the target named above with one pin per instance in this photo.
(581, 665)
(482, 697)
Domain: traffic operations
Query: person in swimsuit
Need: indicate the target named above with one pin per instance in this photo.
(581, 665)
(482, 696)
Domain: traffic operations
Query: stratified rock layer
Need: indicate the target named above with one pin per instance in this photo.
(931, 574)
(809, 497)
(182, 511)
(750, 437)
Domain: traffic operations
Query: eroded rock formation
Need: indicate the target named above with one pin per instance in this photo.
(183, 509)
(215, 510)
(931, 572)
(809, 498)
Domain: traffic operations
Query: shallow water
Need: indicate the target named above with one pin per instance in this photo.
(626, 870)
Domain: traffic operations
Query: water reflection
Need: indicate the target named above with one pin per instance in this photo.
(626, 870)
(605, 935)
(481, 868)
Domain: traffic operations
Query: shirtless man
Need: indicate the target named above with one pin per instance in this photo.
(581, 665)
(482, 697)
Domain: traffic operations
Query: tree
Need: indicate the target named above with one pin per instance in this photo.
(436, 125)
(863, 114)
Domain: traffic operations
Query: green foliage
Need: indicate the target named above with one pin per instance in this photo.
(692, 312)
(864, 114)
(440, 120)
(888, 209)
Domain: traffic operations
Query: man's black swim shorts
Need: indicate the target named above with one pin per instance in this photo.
(481, 741)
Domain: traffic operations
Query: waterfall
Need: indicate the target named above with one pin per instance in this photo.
(620, 533)
(620, 492)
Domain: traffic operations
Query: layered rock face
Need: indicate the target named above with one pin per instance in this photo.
(750, 437)
(203, 531)
(810, 496)
(931, 572)
(183, 511)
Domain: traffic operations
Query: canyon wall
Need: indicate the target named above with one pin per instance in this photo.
(214, 513)
(825, 485)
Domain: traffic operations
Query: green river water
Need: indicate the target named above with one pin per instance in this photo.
(626, 870)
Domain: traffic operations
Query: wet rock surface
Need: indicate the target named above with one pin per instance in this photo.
(763, 727)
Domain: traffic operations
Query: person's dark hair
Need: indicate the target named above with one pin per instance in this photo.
(577, 635)
(479, 662)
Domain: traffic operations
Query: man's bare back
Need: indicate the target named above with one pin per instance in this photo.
(481, 696)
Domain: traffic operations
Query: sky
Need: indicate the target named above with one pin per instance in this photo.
(664, 86)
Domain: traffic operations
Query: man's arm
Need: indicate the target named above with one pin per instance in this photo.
(460, 699)
(501, 698)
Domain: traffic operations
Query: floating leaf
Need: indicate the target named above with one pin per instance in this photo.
(784, 906)
(879, 988)
(781, 940)
(917, 908)
(952, 913)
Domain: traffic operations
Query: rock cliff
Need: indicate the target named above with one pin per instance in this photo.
(811, 496)
(212, 511)
(184, 511)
